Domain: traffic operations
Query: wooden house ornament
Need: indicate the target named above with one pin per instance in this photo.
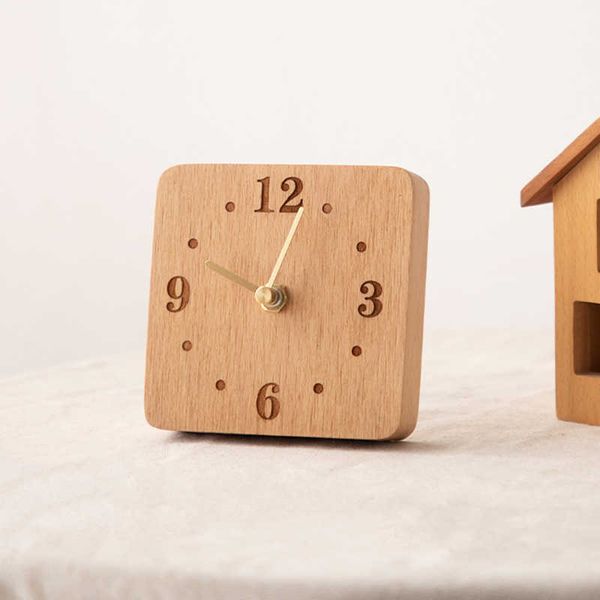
(572, 183)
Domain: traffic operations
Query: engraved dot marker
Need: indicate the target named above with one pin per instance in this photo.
(326, 208)
(187, 345)
(318, 388)
(230, 207)
(193, 243)
(220, 385)
(361, 246)
(356, 350)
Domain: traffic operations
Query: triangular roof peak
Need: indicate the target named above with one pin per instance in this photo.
(539, 189)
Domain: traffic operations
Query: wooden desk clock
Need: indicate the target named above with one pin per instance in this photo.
(287, 300)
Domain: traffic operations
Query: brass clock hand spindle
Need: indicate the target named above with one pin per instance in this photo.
(271, 299)
(270, 296)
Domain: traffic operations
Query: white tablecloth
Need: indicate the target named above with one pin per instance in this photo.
(491, 496)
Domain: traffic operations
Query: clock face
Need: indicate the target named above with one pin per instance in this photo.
(330, 344)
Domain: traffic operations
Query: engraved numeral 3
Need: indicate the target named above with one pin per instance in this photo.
(183, 295)
(377, 306)
(267, 406)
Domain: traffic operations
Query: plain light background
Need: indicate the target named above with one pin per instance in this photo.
(98, 98)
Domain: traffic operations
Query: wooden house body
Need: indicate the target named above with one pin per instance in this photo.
(572, 183)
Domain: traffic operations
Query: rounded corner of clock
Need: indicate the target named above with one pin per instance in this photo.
(167, 181)
(151, 416)
(400, 421)
(168, 173)
(419, 188)
(395, 170)
(150, 419)
(400, 431)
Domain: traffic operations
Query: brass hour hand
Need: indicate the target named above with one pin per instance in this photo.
(231, 276)
(271, 299)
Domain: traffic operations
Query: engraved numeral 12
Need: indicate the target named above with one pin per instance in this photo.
(286, 207)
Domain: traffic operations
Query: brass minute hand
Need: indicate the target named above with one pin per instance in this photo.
(231, 276)
(286, 245)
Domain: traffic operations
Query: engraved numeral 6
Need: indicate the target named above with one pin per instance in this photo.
(179, 289)
(373, 298)
(267, 406)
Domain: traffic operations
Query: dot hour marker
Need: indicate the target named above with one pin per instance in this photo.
(187, 345)
(230, 207)
(193, 243)
(220, 385)
(356, 350)
(326, 208)
(361, 246)
(318, 388)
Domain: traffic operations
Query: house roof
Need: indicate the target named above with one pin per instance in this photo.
(539, 189)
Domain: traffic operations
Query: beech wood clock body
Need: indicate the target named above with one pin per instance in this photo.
(329, 347)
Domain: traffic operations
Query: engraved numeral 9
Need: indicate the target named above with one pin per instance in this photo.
(267, 406)
(286, 207)
(377, 306)
(179, 289)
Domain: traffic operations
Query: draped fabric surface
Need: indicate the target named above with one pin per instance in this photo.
(491, 497)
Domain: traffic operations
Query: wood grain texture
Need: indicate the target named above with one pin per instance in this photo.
(577, 282)
(539, 189)
(308, 346)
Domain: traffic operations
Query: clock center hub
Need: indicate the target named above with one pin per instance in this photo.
(271, 299)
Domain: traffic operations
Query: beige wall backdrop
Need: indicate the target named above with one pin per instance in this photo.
(98, 98)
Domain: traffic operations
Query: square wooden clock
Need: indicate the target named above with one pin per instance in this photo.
(287, 300)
